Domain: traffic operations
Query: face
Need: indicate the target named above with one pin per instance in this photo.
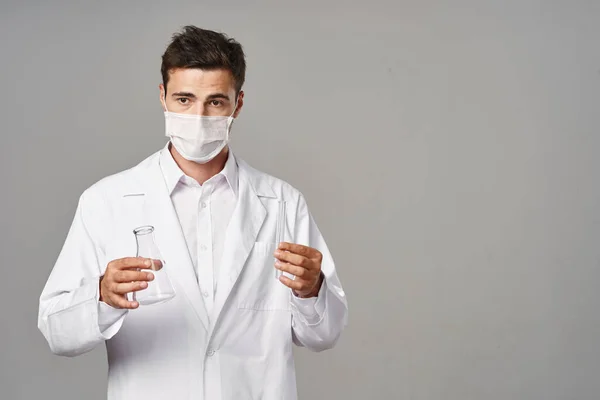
(201, 92)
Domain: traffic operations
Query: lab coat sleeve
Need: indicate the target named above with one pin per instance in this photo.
(110, 319)
(318, 322)
(311, 308)
(71, 318)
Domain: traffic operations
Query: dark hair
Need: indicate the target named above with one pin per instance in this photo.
(194, 47)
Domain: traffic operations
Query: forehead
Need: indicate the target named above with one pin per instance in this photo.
(199, 81)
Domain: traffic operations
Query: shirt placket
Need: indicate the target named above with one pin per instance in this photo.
(205, 246)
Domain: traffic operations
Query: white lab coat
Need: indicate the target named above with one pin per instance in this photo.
(176, 350)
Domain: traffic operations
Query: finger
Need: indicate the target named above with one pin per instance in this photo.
(133, 262)
(130, 276)
(117, 301)
(292, 269)
(292, 258)
(123, 262)
(124, 288)
(295, 248)
(292, 284)
(306, 251)
(155, 265)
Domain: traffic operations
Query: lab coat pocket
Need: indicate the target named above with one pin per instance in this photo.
(265, 293)
(263, 249)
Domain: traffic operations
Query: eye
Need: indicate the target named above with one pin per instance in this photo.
(216, 103)
(183, 101)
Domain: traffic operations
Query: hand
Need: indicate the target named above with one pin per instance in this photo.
(123, 276)
(304, 263)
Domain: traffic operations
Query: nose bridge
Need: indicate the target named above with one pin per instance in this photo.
(198, 108)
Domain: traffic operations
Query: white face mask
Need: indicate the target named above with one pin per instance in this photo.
(198, 138)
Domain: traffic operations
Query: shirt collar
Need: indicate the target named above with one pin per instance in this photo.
(173, 174)
(230, 172)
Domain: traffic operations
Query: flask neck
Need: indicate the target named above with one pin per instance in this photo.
(144, 241)
(144, 237)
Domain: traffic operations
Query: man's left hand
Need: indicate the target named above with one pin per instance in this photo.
(304, 263)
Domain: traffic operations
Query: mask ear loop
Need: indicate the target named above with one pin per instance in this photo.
(165, 103)
(231, 118)
(234, 108)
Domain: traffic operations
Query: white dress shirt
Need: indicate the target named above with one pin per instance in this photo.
(204, 211)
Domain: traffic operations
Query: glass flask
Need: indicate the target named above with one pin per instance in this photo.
(160, 289)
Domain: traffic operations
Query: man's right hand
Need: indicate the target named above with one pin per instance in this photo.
(121, 277)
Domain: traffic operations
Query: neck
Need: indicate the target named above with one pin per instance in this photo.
(201, 172)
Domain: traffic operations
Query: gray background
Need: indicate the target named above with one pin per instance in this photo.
(448, 150)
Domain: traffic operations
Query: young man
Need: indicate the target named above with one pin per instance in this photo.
(223, 229)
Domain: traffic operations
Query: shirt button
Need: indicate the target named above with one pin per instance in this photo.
(210, 352)
(205, 294)
(203, 205)
(202, 247)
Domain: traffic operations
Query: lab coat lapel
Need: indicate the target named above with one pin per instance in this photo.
(245, 223)
(169, 236)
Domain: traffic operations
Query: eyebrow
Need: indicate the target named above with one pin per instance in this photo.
(217, 96)
(210, 97)
(184, 94)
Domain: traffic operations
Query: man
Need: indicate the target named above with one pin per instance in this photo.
(223, 229)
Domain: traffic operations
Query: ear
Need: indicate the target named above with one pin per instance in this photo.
(162, 98)
(240, 104)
